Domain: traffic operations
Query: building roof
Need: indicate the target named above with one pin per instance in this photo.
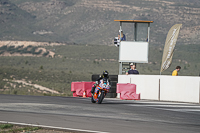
(134, 21)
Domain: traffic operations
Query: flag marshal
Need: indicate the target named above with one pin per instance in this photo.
(169, 47)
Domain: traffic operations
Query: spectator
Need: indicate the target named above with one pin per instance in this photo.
(175, 72)
(123, 37)
(132, 70)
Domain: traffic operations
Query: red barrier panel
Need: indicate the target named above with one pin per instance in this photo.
(78, 88)
(87, 86)
(126, 87)
(127, 91)
(126, 95)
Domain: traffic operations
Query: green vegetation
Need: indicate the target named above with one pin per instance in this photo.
(55, 73)
(78, 63)
(9, 128)
(46, 53)
(6, 126)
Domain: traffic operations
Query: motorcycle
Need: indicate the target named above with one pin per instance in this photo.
(100, 92)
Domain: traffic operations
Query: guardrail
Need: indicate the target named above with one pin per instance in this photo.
(165, 88)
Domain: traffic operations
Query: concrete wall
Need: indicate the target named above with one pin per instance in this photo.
(166, 88)
(182, 89)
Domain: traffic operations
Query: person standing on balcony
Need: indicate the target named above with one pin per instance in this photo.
(123, 37)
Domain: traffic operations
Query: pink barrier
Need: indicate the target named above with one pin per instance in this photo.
(78, 88)
(87, 86)
(127, 91)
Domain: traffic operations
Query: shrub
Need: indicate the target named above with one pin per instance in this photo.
(33, 50)
(11, 48)
(39, 52)
(3, 48)
(47, 94)
(15, 92)
(46, 53)
(1, 52)
(12, 52)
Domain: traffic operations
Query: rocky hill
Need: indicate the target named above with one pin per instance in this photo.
(92, 21)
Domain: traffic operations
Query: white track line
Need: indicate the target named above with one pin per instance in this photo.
(167, 105)
(181, 110)
(52, 127)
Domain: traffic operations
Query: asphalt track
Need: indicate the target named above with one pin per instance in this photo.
(112, 116)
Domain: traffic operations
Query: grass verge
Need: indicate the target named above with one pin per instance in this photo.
(10, 128)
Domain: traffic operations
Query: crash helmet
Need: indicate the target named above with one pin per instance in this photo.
(105, 73)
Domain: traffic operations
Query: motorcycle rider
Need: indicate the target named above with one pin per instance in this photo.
(104, 77)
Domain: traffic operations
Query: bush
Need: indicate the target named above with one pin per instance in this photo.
(39, 52)
(11, 48)
(33, 50)
(3, 48)
(12, 52)
(47, 94)
(46, 53)
(1, 52)
(23, 51)
(15, 92)
(29, 46)
(41, 67)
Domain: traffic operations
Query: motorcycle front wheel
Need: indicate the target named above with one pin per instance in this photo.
(101, 97)
(92, 100)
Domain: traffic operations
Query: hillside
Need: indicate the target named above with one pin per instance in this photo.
(51, 43)
(92, 22)
(20, 74)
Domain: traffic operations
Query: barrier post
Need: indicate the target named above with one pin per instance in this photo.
(199, 91)
(159, 91)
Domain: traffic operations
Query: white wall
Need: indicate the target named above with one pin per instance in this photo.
(171, 88)
(146, 85)
(179, 88)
